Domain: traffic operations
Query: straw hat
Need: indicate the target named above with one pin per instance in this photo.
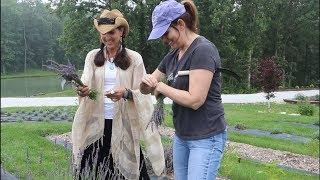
(110, 20)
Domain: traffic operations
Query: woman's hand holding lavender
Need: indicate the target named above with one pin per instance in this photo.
(148, 84)
(68, 73)
(158, 112)
(83, 91)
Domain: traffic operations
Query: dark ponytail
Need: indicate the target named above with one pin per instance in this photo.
(190, 17)
(122, 59)
(99, 58)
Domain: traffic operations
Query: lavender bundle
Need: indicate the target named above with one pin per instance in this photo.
(158, 112)
(69, 75)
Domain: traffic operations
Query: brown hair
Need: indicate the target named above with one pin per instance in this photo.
(190, 17)
(121, 60)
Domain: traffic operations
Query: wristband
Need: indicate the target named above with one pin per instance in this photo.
(127, 94)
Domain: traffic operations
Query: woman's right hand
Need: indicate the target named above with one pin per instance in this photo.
(148, 84)
(83, 91)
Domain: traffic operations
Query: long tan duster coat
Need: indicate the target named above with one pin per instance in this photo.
(129, 122)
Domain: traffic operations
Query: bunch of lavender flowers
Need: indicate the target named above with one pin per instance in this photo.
(69, 75)
(158, 112)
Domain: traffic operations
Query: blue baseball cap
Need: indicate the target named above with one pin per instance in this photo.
(163, 15)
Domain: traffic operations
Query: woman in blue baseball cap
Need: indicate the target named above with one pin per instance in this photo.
(194, 85)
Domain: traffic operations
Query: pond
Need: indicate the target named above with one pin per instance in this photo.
(30, 86)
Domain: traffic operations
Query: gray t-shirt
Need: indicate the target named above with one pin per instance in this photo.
(208, 120)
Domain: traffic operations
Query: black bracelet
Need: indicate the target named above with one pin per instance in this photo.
(127, 94)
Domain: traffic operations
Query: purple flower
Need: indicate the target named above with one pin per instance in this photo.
(158, 112)
(68, 73)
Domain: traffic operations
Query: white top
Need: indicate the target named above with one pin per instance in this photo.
(110, 72)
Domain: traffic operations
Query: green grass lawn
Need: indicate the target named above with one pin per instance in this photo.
(24, 147)
(311, 148)
(256, 116)
(251, 170)
(25, 150)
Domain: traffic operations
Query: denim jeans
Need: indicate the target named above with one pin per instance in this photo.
(198, 159)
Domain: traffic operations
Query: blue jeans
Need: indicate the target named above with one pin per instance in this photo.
(198, 159)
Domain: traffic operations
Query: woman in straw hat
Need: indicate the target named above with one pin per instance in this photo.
(106, 132)
(194, 85)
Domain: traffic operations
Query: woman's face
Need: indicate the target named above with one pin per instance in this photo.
(112, 38)
(171, 37)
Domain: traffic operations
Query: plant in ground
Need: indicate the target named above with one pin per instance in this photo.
(240, 127)
(305, 108)
(301, 97)
(276, 131)
(268, 76)
(316, 97)
(273, 172)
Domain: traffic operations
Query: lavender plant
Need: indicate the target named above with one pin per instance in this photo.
(69, 75)
(158, 112)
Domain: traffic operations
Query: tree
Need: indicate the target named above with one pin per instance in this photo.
(10, 37)
(291, 36)
(251, 26)
(28, 35)
(80, 14)
(268, 76)
(244, 31)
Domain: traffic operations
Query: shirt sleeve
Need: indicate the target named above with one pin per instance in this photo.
(205, 56)
(163, 64)
(138, 72)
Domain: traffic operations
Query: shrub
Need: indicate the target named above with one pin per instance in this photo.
(240, 127)
(316, 136)
(301, 97)
(306, 109)
(276, 131)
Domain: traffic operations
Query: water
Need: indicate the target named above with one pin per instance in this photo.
(30, 86)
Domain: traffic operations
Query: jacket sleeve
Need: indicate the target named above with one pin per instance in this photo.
(88, 71)
(144, 107)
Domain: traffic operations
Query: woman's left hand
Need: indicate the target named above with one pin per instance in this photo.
(115, 94)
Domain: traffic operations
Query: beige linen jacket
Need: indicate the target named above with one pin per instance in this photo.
(129, 122)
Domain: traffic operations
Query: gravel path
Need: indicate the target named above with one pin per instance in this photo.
(282, 158)
(267, 155)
